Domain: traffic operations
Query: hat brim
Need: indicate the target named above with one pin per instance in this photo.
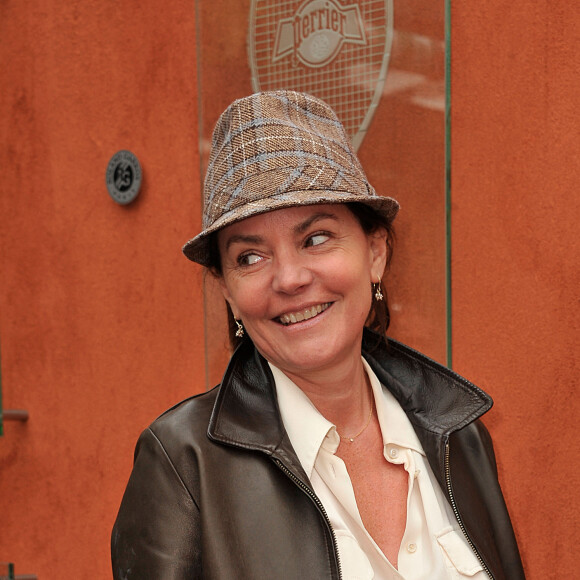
(197, 249)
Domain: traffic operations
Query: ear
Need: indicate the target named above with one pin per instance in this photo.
(226, 293)
(378, 252)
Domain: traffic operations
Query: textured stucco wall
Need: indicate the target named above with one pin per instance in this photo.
(97, 305)
(515, 174)
(101, 319)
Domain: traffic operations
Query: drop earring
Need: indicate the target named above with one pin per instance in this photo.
(377, 289)
(240, 331)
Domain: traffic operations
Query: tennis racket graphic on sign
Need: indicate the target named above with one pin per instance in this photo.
(336, 50)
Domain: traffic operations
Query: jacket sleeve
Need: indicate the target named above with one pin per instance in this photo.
(156, 534)
(487, 444)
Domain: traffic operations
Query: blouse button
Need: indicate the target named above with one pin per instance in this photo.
(411, 548)
(393, 453)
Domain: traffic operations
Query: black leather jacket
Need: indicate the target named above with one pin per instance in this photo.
(217, 491)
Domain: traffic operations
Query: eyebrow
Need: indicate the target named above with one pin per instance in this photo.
(239, 238)
(321, 215)
(298, 229)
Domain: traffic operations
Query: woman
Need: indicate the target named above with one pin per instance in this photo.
(325, 452)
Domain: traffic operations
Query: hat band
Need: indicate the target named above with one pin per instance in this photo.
(285, 182)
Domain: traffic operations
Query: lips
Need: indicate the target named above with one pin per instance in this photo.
(301, 315)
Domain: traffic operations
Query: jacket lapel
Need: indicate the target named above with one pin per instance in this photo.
(246, 412)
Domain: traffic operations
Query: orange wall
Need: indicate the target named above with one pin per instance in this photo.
(100, 315)
(515, 176)
(101, 319)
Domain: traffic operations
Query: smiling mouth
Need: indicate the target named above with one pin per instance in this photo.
(306, 314)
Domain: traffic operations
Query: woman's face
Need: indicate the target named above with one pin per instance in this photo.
(300, 281)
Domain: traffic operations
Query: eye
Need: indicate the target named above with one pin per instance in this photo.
(316, 239)
(248, 259)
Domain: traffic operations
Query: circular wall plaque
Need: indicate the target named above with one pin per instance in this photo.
(123, 177)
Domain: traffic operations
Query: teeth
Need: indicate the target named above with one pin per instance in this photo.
(305, 314)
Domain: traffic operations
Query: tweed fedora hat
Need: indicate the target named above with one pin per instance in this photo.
(274, 150)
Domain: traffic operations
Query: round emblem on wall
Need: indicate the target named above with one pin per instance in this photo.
(124, 177)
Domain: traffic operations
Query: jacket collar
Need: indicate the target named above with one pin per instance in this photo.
(436, 400)
(434, 397)
(246, 412)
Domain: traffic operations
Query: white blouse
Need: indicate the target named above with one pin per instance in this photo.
(433, 546)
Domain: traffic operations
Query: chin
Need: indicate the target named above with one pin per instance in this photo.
(308, 360)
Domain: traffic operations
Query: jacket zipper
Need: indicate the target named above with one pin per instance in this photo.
(456, 511)
(318, 503)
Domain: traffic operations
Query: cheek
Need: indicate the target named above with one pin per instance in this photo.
(363, 298)
(246, 299)
(359, 290)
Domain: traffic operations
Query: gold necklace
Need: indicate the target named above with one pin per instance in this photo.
(353, 437)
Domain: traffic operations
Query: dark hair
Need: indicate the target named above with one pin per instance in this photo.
(370, 221)
(379, 316)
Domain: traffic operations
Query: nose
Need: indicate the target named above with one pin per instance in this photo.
(291, 274)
